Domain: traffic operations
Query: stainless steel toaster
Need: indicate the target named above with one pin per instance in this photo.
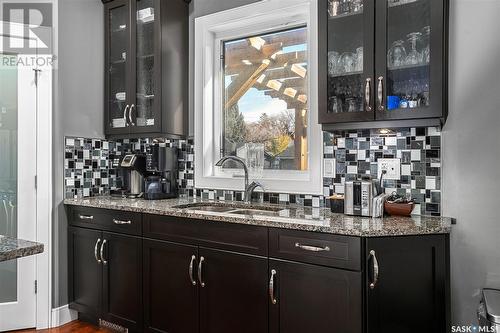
(359, 198)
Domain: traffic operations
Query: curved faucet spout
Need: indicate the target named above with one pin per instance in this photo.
(236, 159)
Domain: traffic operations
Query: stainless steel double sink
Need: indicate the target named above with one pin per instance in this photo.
(232, 208)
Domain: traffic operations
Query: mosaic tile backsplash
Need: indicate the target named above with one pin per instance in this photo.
(91, 166)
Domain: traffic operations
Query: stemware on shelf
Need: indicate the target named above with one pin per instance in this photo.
(347, 62)
(359, 59)
(414, 57)
(333, 62)
(426, 50)
(396, 56)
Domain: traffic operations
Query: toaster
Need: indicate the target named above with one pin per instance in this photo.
(359, 198)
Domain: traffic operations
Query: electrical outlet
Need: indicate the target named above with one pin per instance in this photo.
(392, 166)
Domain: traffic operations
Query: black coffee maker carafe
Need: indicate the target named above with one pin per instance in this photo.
(162, 169)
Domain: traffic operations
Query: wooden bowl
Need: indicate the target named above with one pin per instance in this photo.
(399, 209)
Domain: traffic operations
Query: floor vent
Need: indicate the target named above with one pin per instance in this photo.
(111, 326)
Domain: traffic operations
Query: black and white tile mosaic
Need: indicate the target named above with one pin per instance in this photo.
(91, 166)
(356, 154)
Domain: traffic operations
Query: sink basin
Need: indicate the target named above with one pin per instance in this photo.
(233, 208)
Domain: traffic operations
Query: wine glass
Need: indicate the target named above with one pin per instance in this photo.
(413, 57)
(333, 59)
(396, 56)
(347, 62)
(359, 59)
(426, 51)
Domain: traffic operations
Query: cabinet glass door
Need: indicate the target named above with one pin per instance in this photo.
(410, 68)
(350, 60)
(117, 66)
(144, 112)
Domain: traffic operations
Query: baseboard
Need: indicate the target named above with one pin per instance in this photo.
(62, 315)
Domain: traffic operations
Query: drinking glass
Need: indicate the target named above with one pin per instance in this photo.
(357, 6)
(351, 104)
(426, 51)
(333, 7)
(335, 105)
(333, 59)
(397, 54)
(413, 57)
(347, 62)
(359, 59)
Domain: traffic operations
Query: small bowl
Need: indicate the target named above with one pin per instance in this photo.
(399, 209)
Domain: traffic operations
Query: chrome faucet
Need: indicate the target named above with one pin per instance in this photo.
(249, 189)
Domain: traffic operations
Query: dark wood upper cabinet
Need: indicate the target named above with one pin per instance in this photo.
(233, 296)
(314, 299)
(170, 287)
(146, 74)
(382, 63)
(410, 292)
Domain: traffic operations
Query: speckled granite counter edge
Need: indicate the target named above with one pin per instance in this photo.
(337, 223)
(12, 248)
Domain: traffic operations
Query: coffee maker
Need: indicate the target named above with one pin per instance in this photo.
(133, 170)
(161, 167)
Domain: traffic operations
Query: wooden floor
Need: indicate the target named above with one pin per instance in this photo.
(74, 326)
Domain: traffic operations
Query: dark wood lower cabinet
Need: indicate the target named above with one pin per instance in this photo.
(234, 295)
(314, 299)
(85, 273)
(192, 278)
(411, 292)
(122, 280)
(170, 296)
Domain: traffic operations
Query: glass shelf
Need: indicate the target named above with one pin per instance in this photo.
(343, 15)
(347, 74)
(407, 3)
(408, 67)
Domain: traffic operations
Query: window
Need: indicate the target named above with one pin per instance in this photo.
(265, 97)
(256, 86)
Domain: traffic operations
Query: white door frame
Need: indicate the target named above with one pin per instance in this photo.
(44, 207)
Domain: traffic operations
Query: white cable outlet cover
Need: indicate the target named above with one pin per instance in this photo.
(392, 166)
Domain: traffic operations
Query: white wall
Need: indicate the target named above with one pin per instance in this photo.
(471, 153)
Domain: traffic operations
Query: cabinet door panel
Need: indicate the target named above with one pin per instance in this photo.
(118, 67)
(85, 272)
(170, 298)
(234, 298)
(346, 60)
(410, 58)
(145, 114)
(315, 299)
(122, 280)
(412, 280)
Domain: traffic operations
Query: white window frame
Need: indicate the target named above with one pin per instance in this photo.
(210, 32)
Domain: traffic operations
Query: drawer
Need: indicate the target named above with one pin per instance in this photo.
(104, 219)
(218, 235)
(316, 248)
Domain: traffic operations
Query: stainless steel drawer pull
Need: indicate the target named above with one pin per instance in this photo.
(191, 268)
(200, 269)
(125, 115)
(274, 301)
(95, 251)
(312, 248)
(119, 222)
(102, 252)
(86, 217)
(130, 115)
(375, 270)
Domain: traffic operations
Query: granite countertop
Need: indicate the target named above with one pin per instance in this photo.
(289, 217)
(12, 248)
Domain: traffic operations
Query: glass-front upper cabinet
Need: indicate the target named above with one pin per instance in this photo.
(382, 60)
(145, 111)
(349, 59)
(409, 68)
(117, 65)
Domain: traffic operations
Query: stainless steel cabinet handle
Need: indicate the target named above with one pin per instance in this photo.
(271, 287)
(368, 93)
(375, 270)
(95, 251)
(102, 251)
(130, 115)
(125, 115)
(191, 267)
(312, 248)
(86, 217)
(120, 222)
(380, 93)
(200, 268)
